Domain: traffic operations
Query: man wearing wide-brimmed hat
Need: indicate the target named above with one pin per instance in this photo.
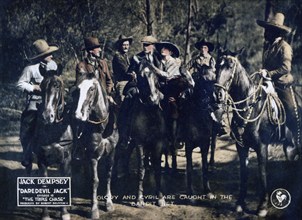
(120, 65)
(276, 60)
(29, 82)
(149, 53)
(93, 63)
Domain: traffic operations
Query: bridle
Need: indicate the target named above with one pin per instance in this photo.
(228, 83)
(61, 98)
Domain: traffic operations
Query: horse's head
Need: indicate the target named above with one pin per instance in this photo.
(147, 83)
(53, 99)
(227, 70)
(91, 102)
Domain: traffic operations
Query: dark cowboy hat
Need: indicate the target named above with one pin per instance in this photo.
(91, 43)
(203, 42)
(42, 48)
(122, 38)
(275, 22)
(172, 47)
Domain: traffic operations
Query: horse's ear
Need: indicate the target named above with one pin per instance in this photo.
(240, 52)
(60, 69)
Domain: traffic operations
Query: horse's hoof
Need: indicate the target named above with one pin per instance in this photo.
(65, 216)
(140, 203)
(262, 213)
(239, 209)
(210, 195)
(161, 202)
(109, 207)
(95, 214)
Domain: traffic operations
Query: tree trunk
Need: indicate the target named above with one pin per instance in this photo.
(187, 57)
(149, 18)
(268, 9)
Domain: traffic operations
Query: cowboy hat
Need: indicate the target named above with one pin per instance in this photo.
(91, 43)
(172, 47)
(275, 22)
(203, 42)
(122, 38)
(149, 40)
(42, 48)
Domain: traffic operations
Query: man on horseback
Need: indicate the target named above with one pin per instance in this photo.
(94, 64)
(148, 53)
(120, 65)
(29, 82)
(173, 84)
(277, 57)
(203, 68)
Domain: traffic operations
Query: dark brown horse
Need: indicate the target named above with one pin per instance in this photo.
(254, 124)
(92, 118)
(196, 126)
(148, 130)
(53, 138)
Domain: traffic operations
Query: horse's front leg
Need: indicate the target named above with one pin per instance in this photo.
(141, 175)
(95, 184)
(189, 168)
(65, 169)
(43, 172)
(204, 148)
(156, 161)
(109, 166)
(213, 147)
(243, 160)
(262, 164)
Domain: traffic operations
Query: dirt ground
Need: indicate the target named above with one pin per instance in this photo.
(224, 180)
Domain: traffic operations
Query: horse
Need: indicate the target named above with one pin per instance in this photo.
(53, 138)
(148, 130)
(91, 123)
(254, 123)
(197, 130)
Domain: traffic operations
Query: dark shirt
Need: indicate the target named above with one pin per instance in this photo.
(120, 65)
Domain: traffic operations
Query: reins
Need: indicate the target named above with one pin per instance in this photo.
(253, 98)
(98, 122)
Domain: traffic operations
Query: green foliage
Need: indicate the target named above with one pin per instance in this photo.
(67, 22)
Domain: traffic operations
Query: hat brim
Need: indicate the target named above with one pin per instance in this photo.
(50, 50)
(121, 41)
(91, 48)
(199, 44)
(266, 24)
(172, 47)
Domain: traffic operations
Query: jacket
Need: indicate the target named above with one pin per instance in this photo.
(277, 59)
(204, 67)
(120, 65)
(31, 76)
(98, 67)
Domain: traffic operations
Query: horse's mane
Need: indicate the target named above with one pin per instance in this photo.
(85, 76)
(50, 79)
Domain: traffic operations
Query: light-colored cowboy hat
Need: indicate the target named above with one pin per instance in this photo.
(149, 40)
(170, 46)
(90, 43)
(275, 22)
(122, 38)
(42, 48)
(203, 42)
